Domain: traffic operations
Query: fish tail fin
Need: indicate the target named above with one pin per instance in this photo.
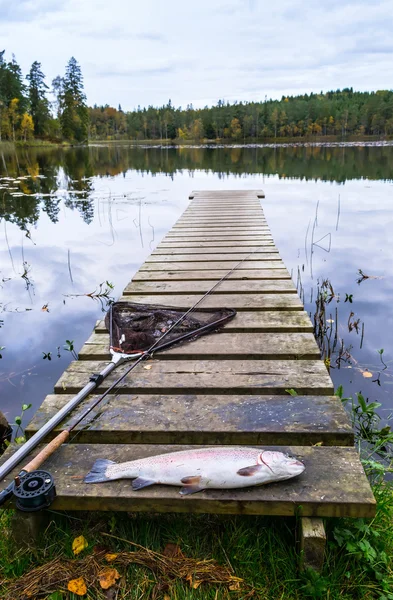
(98, 471)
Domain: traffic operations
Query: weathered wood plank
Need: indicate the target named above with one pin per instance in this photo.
(262, 346)
(217, 240)
(272, 286)
(205, 258)
(214, 227)
(320, 491)
(279, 321)
(166, 275)
(239, 302)
(211, 244)
(229, 214)
(211, 249)
(192, 419)
(211, 266)
(215, 219)
(214, 235)
(270, 377)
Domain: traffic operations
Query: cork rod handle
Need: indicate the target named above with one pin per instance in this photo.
(47, 451)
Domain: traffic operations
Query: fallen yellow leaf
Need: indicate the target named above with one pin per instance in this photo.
(107, 577)
(79, 544)
(367, 374)
(110, 557)
(147, 367)
(77, 586)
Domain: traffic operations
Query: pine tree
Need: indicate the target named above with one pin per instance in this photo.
(74, 117)
(39, 105)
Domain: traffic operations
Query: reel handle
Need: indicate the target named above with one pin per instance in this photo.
(42, 456)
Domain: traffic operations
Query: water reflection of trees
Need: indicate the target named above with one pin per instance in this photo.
(74, 168)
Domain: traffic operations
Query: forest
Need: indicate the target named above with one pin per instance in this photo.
(26, 113)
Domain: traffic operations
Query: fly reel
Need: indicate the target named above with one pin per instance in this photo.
(34, 491)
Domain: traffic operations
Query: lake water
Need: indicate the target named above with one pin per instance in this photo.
(77, 218)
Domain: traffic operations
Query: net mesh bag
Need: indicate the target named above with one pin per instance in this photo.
(136, 327)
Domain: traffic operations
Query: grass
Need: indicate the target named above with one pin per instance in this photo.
(259, 550)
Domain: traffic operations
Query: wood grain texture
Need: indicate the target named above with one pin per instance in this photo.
(208, 275)
(199, 419)
(271, 286)
(220, 238)
(211, 266)
(205, 258)
(260, 245)
(185, 243)
(239, 302)
(262, 346)
(320, 491)
(268, 377)
(260, 321)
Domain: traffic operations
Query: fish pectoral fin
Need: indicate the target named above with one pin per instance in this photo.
(192, 485)
(249, 471)
(190, 489)
(141, 482)
(191, 480)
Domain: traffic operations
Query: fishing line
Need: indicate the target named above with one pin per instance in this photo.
(34, 488)
(148, 353)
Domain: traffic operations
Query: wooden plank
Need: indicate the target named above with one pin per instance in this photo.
(192, 419)
(218, 240)
(272, 286)
(255, 346)
(211, 266)
(210, 275)
(220, 234)
(221, 258)
(229, 213)
(207, 249)
(260, 321)
(214, 219)
(214, 227)
(270, 377)
(320, 491)
(239, 302)
(210, 244)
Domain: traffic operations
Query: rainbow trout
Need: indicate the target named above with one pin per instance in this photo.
(216, 467)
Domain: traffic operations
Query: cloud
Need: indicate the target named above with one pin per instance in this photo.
(114, 71)
(122, 33)
(28, 10)
(143, 53)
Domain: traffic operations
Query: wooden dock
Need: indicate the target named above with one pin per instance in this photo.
(225, 388)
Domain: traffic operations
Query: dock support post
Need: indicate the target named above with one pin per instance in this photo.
(312, 539)
(28, 527)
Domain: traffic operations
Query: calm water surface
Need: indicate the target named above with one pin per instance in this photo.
(77, 218)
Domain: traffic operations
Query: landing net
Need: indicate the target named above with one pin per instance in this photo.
(134, 328)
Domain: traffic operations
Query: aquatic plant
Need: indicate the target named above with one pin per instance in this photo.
(18, 422)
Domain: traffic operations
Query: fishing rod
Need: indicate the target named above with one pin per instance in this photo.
(35, 489)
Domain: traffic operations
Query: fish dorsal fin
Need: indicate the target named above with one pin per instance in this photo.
(249, 471)
(141, 482)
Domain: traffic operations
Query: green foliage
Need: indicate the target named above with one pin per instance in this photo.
(19, 439)
(69, 346)
(74, 116)
(335, 113)
(39, 105)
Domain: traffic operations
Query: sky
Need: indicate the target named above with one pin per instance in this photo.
(145, 52)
